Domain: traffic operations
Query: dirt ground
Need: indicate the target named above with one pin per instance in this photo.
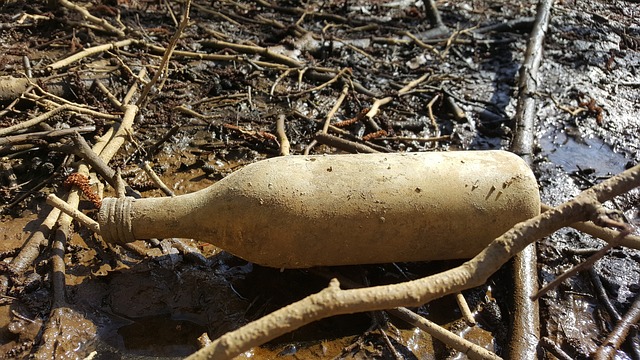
(215, 114)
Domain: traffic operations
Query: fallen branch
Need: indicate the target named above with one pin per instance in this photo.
(574, 270)
(373, 111)
(30, 250)
(73, 212)
(44, 135)
(464, 346)
(164, 63)
(101, 23)
(330, 115)
(525, 332)
(257, 50)
(334, 301)
(617, 336)
(88, 52)
(342, 144)
(282, 135)
(156, 180)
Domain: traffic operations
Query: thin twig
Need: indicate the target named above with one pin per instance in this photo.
(101, 23)
(553, 348)
(586, 264)
(76, 214)
(343, 144)
(608, 235)
(602, 295)
(617, 336)
(164, 63)
(464, 309)
(44, 135)
(88, 52)
(282, 135)
(156, 179)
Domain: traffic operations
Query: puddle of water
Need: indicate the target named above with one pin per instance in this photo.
(585, 153)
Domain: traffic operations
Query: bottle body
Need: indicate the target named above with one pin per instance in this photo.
(303, 211)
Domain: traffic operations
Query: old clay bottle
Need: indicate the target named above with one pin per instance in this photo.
(303, 211)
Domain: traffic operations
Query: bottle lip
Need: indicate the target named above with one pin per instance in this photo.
(114, 218)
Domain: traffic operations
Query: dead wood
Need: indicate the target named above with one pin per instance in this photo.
(334, 301)
(588, 227)
(30, 250)
(88, 52)
(619, 334)
(100, 23)
(166, 57)
(526, 320)
(342, 144)
(282, 135)
(44, 135)
(80, 148)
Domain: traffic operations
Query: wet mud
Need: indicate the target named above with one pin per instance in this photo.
(122, 305)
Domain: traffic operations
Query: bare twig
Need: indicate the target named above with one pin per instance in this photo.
(466, 347)
(464, 310)
(584, 265)
(612, 343)
(73, 212)
(553, 348)
(602, 295)
(44, 135)
(608, 235)
(36, 120)
(330, 115)
(380, 102)
(154, 177)
(121, 134)
(31, 248)
(251, 49)
(282, 135)
(88, 52)
(343, 144)
(164, 63)
(101, 23)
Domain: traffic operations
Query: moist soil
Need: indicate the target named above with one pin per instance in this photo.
(212, 116)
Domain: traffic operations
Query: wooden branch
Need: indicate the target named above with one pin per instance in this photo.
(101, 23)
(72, 211)
(617, 336)
(164, 63)
(252, 49)
(156, 180)
(282, 135)
(527, 84)
(31, 249)
(525, 332)
(88, 52)
(608, 235)
(373, 111)
(334, 301)
(350, 146)
(44, 135)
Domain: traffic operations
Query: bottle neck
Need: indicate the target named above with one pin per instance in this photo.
(115, 220)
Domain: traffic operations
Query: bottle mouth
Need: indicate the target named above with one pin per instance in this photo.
(114, 218)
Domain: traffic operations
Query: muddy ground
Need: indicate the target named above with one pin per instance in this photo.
(215, 115)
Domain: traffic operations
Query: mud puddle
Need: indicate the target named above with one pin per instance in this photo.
(584, 154)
